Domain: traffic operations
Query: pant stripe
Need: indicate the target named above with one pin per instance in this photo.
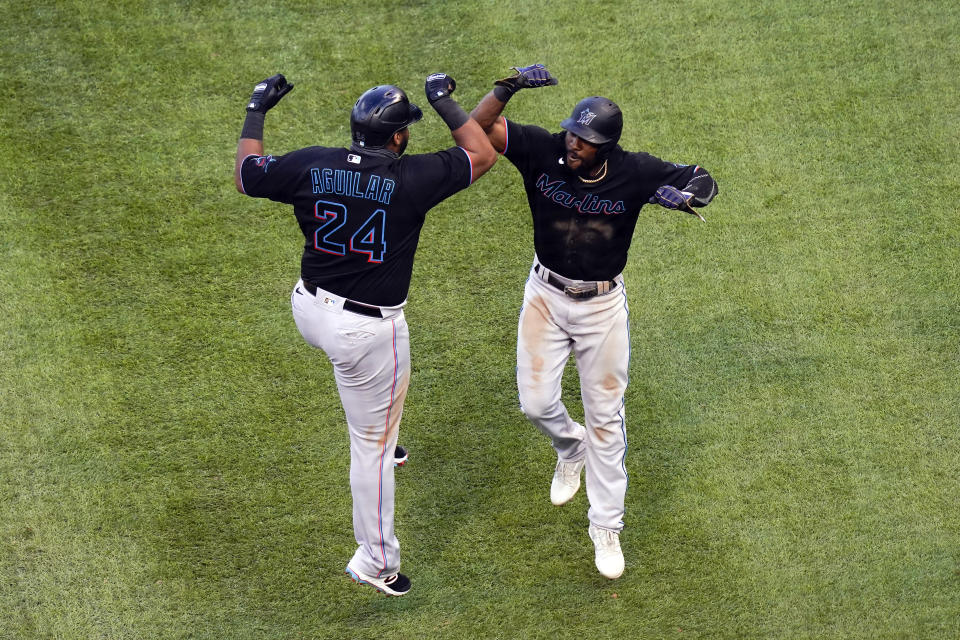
(383, 453)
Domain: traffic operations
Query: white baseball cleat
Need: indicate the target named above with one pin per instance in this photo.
(566, 481)
(609, 557)
(395, 585)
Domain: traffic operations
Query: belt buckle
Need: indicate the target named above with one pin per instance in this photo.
(578, 291)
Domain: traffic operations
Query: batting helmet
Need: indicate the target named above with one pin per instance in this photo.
(379, 113)
(597, 120)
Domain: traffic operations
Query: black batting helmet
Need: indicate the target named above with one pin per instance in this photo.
(597, 120)
(379, 113)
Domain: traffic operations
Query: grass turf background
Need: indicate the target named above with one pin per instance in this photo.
(173, 459)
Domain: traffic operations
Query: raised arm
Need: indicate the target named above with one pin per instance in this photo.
(265, 95)
(487, 112)
(487, 115)
(466, 132)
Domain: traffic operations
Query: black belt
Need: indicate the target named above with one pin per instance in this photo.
(350, 305)
(576, 290)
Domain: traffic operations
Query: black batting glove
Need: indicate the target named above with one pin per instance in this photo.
(268, 93)
(439, 86)
(265, 96)
(532, 77)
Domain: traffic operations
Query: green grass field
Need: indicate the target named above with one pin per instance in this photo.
(173, 457)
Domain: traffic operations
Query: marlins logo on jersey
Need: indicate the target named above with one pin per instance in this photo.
(264, 162)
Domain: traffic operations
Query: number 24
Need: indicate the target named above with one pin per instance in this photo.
(368, 239)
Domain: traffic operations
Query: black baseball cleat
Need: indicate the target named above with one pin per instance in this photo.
(395, 585)
(399, 456)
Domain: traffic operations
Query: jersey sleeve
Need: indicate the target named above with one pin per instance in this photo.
(273, 177)
(434, 177)
(686, 177)
(524, 142)
(702, 186)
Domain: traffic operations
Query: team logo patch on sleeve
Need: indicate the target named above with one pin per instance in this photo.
(264, 162)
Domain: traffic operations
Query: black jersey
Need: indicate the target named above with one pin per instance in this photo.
(360, 211)
(583, 230)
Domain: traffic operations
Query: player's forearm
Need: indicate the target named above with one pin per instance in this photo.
(246, 147)
(488, 110)
(474, 141)
(487, 115)
(466, 133)
(265, 95)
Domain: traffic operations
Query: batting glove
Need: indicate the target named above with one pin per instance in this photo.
(536, 75)
(671, 197)
(439, 86)
(268, 93)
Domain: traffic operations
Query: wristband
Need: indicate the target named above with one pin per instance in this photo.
(503, 93)
(451, 112)
(253, 126)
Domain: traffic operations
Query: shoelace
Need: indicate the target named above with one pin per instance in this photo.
(569, 469)
(607, 540)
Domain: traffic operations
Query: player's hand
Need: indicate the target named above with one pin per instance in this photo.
(536, 75)
(438, 86)
(268, 93)
(670, 197)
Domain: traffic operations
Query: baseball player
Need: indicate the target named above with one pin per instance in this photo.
(361, 210)
(585, 194)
